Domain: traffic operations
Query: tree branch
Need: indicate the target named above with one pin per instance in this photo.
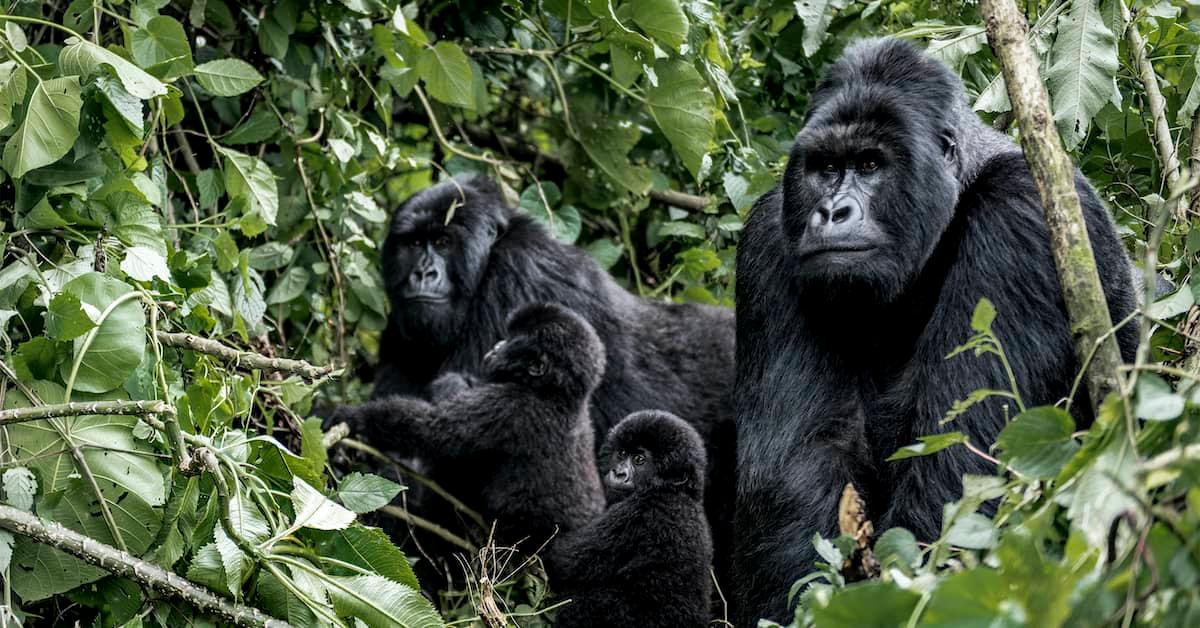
(1055, 177)
(79, 408)
(1168, 156)
(129, 566)
(246, 359)
(429, 526)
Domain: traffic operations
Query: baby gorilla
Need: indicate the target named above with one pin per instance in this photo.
(522, 429)
(645, 561)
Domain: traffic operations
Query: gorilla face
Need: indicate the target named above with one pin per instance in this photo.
(651, 450)
(869, 188)
(432, 266)
(550, 349)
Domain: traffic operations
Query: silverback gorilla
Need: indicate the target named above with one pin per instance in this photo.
(458, 261)
(899, 210)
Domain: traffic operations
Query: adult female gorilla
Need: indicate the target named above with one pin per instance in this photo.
(898, 212)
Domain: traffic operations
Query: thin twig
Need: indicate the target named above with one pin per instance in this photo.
(245, 359)
(331, 257)
(429, 526)
(80, 408)
(1168, 156)
(129, 566)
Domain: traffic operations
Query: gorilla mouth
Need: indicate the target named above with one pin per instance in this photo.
(428, 299)
(818, 249)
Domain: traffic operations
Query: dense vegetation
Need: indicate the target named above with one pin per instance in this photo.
(226, 170)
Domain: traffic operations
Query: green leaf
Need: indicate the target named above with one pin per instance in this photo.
(20, 486)
(119, 342)
(607, 141)
(978, 598)
(447, 74)
(278, 600)
(816, 16)
(1082, 67)
(50, 127)
(144, 264)
(12, 90)
(897, 546)
(314, 510)
(972, 531)
(161, 47)
(874, 603)
(929, 445)
(563, 223)
(663, 20)
(955, 49)
(85, 59)
(66, 319)
(984, 315)
(127, 106)
(681, 229)
(1156, 400)
(227, 77)
(249, 178)
(382, 602)
(685, 111)
(272, 39)
(605, 252)
(260, 126)
(1101, 491)
(367, 492)
(209, 183)
(271, 256)
(1038, 441)
(370, 549)
(290, 286)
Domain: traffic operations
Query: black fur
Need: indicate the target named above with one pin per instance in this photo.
(677, 358)
(522, 432)
(841, 357)
(645, 561)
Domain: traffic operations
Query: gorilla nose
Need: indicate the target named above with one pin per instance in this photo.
(426, 275)
(833, 214)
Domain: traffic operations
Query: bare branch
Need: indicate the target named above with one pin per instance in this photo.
(245, 359)
(79, 408)
(1168, 156)
(1055, 177)
(129, 566)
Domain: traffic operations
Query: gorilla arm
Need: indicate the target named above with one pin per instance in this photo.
(393, 423)
(595, 552)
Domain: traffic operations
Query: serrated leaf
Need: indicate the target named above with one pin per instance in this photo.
(19, 488)
(1083, 63)
(85, 59)
(50, 127)
(12, 90)
(685, 111)
(681, 229)
(370, 549)
(161, 46)
(382, 602)
(607, 141)
(250, 178)
(1038, 442)
(367, 492)
(447, 74)
(983, 316)
(66, 318)
(120, 341)
(663, 20)
(314, 510)
(227, 77)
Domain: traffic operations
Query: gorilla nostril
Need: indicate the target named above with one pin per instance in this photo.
(842, 214)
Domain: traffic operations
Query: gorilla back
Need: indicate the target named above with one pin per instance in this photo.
(899, 210)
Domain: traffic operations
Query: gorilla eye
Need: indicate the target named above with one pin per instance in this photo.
(829, 168)
(869, 165)
(538, 368)
(639, 460)
(442, 242)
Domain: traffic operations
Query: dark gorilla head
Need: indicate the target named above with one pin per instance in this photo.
(873, 177)
(431, 265)
(652, 450)
(550, 349)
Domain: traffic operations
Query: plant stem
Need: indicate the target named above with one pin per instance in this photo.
(80, 408)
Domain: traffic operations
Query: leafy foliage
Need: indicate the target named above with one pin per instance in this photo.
(227, 171)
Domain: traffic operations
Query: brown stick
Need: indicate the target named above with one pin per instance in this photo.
(1168, 156)
(246, 359)
(129, 566)
(1055, 177)
(79, 408)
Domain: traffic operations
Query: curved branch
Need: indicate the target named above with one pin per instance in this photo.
(247, 359)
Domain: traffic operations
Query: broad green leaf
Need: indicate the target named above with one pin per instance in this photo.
(247, 295)
(12, 90)
(929, 445)
(681, 229)
(125, 469)
(564, 222)
(16, 36)
(1100, 493)
(972, 531)
(227, 77)
(873, 603)
(685, 111)
(143, 264)
(606, 252)
(85, 58)
(1038, 441)
(210, 187)
(314, 510)
(250, 178)
(368, 548)
(367, 492)
(1083, 63)
(288, 287)
(278, 600)
(1156, 400)
(119, 342)
(607, 141)
(271, 256)
(50, 127)
(977, 598)
(955, 49)
(382, 602)
(447, 74)
(161, 46)
(816, 16)
(1190, 104)
(260, 126)
(663, 20)
(66, 318)
(20, 486)
(128, 106)
(897, 546)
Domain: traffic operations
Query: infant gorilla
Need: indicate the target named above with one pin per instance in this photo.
(522, 429)
(645, 561)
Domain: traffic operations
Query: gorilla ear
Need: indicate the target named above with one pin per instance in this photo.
(949, 146)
